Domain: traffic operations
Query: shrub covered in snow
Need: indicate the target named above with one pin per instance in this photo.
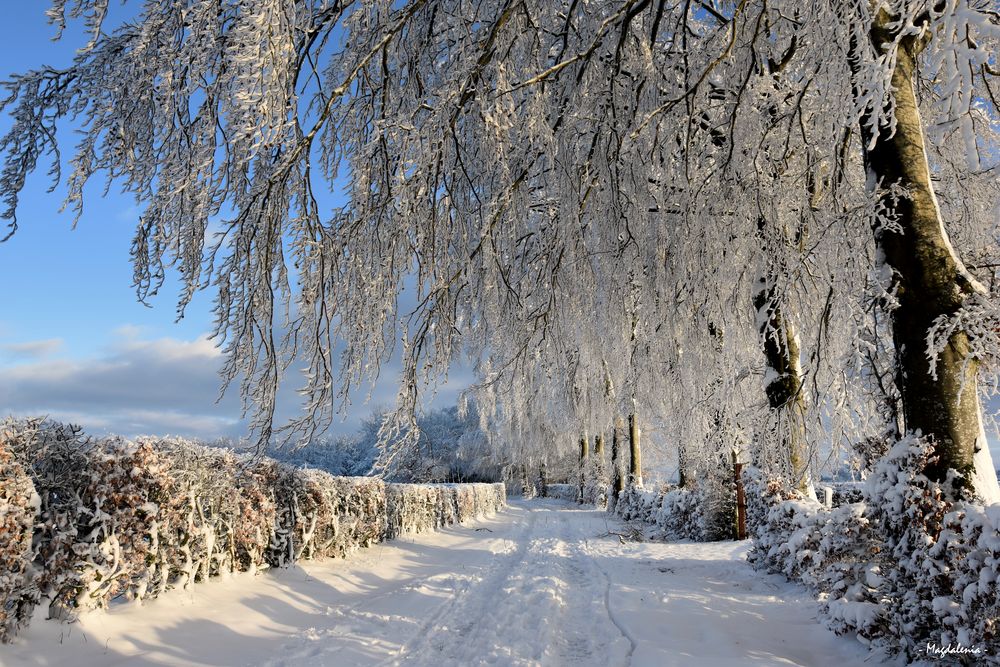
(413, 508)
(846, 493)
(594, 483)
(902, 569)
(97, 500)
(19, 505)
(701, 511)
(116, 518)
(969, 612)
(638, 504)
(683, 514)
(562, 491)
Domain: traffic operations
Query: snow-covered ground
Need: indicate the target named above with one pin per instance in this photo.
(541, 583)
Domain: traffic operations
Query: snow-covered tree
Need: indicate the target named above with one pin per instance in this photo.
(658, 197)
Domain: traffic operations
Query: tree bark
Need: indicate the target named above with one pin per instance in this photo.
(584, 455)
(928, 281)
(681, 468)
(783, 381)
(635, 463)
(617, 451)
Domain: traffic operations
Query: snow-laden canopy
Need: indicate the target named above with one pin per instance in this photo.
(652, 207)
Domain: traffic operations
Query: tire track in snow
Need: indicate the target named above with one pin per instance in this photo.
(428, 638)
(589, 632)
(547, 605)
(610, 612)
(467, 629)
(364, 619)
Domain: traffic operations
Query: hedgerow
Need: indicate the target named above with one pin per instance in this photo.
(903, 570)
(92, 520)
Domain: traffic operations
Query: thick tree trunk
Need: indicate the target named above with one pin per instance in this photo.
(929, 281)
(681, 468)
(635, 463)
(617, 452)
(783, 381)
(600, 472)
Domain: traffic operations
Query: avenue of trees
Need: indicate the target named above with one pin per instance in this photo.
(769, 225)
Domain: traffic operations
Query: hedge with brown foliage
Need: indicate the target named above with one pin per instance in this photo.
(93, 520)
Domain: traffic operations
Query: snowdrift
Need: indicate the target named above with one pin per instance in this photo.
(91, 520)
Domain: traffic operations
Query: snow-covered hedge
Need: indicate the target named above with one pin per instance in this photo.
(900, 570)
(687, 512)
(638, 504)
(18, 510)
(91, 520)
(845, 493)
(562, 491)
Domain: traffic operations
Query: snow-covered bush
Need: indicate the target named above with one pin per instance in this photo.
(447, 505)
(362, 504)
(114, 518)
(212, 516)
(416, 508)
(969, 612)
(781, 522)
(562, 491)
(901, 570)
(682, 515)
(638, 504)
(847, 493)
(96, 501)
(832, 552)
(700, 511)
(412, 508)
(761, 495)
(19, 506)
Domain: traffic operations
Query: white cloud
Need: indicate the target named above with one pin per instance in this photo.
(37, 349)
(138, 385)
(143, 385)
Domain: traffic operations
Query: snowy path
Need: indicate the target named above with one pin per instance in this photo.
(534, 585)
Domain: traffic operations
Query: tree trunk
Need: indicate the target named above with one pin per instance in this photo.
(617, 452)
(584, 455)
(783, 381)
(599, 453)
(635, 464)
(681, 468)
(928, 281)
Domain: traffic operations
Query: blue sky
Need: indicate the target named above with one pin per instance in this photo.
(74, 343)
